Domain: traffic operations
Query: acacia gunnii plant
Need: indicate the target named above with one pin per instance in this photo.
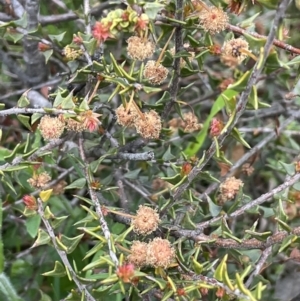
(149, 150)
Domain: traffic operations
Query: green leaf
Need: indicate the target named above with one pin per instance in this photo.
(168, 156)
(77, 184)
(24, 120)
(42, 239)
(132, 174)
(213, 208)
(12, 155)
(58, 271)
(32, 225)
(23, 100)
(68, 244)
(152, 8)
(289, 168)
(57, 37)
(47, 54)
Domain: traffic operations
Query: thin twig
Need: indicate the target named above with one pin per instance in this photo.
(62, 254)
(258, 267)
(96, 202)
(53, 111)
(174, 87)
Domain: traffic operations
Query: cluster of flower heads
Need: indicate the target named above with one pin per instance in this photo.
(53, 127)
(157, 253)
(147, 124)
(188, 124)
(120, 20)
(140, 49)
(229, 188)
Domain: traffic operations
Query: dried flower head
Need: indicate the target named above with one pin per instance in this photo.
(146, 220)
(72, 54)
(125, 272)
(155, 73)
(73, 125)
(138, 254)
(39, 180)
(30, 202)
(148, 127)
(59, 188)
(191, 122)
(139, 48)
(247, 169)
(160, 253)
(234, 52)
(213, 19)
(51, 127)
(126, 117)
(229, 188)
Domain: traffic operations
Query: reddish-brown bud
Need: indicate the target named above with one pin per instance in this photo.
(77, 40)
(186, 168)
(30, 202)
(125, 272)
(216, 127)
(43, 47)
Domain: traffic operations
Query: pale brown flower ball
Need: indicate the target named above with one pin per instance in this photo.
(191, 122)
(124, 117)
(146, 220)
(138, 254)
(51, 127)
(155, 73)
(73, 125)
(39, 181)
(160, 253)
(234, 52)
(150, 126)
(229, 188)
(213, 19)
(139, 48)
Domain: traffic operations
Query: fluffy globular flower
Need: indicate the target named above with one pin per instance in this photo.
(138, 254)
(146, 220)
(191, 122)
(148, 127)
(125, 272)
(73, 125)
(101, 31)
(39, 180)
(126, 117)
(160, 253)
(229, 188)
(139, 48)
(213, 19)
(234, 52)
(51, 127)
(155, 73)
